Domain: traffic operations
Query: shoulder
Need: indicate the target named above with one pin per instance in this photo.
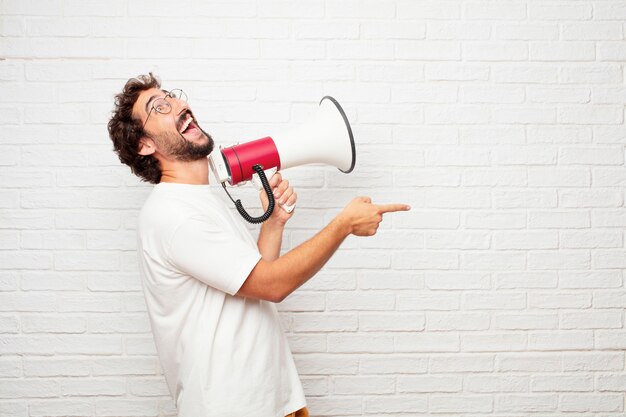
(163, 210)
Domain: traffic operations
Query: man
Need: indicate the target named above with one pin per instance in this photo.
(210, 289)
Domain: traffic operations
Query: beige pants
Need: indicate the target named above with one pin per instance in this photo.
(303, 412)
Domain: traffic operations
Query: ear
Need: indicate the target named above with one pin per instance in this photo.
(146, 147)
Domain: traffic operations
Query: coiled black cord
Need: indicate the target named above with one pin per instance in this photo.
(270, 198)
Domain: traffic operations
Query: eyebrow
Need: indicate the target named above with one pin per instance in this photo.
(152, 98)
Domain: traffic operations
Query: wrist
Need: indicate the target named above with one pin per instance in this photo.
(275, 223)
(342, 224)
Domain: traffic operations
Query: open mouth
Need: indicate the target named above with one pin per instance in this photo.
(187, 124)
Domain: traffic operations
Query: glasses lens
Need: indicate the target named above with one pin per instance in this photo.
(178, 94)
(162, 106)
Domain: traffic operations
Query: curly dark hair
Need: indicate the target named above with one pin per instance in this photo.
(125, 131)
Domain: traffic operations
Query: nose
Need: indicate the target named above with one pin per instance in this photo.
(178, 105)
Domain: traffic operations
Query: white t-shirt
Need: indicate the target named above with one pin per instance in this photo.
(222, 355)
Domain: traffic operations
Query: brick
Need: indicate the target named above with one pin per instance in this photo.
(335, 406)
(396, 404)
(613, 382)
(610, 10)
(530, 279)
(593, 361)
(494, 220)
(496, 384)
(610, 339)
(430, 50)
(559, 300)
(456, 321)
(559, 177)
(460, 403)
(527, 74)
(495, 51)
(530, 31)
(427, 342)
(559, 11)
(559, 95)
(60, 408)
(425, 260)
(93, 386)
(608, 299)
(324, 323)
(489, 10)
(52, 324)
(53, 367)
(451, 30)
(477, 362)
(10, 368)
(562, 51)
(493, 261)
(592, 402)
(115, 366)
(428, 301)
(430, 383)
(448, 71)
(395, 364)
(456, 240)
(407, 9)
(326, 364)
(524, 156)
(359, 385)
(125, 407)
(457, 198)
(611, 51)
(558, 219)
(391, 322)
(526, 321)
(561, 383)
(591, 115)
(526, 403)
(561, 340)
(560, 134)
(149, 387)
(493, 342)
(528, 362)
(525, 240)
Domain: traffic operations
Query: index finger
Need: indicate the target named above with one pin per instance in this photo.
(389, 208)
(276, 179)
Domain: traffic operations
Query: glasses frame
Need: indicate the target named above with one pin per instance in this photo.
(175, 93)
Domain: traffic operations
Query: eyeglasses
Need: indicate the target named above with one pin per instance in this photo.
(161, 105)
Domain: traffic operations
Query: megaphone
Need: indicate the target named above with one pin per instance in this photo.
(325, 138)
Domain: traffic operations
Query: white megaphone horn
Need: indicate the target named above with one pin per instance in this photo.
(325, 138)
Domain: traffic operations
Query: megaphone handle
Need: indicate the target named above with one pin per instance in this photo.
(269, 173)
(270, 198)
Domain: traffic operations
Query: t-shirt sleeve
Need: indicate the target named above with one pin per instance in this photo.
(213, 254)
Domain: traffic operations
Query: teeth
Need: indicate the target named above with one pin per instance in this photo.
(186, 124)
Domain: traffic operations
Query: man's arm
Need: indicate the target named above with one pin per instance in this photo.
(274, 280)
(271, 234)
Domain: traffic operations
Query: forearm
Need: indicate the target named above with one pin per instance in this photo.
(270, 240)
(276, 279)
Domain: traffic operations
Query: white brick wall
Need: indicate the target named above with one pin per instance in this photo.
(501, 122)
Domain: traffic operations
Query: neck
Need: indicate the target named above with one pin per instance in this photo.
(194, 172)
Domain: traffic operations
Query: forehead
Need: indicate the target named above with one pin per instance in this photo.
(139, 108)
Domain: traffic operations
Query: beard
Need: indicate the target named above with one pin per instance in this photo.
(175, 145)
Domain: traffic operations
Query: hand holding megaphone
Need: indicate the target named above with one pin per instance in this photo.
(325, 138)
(269, 173)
